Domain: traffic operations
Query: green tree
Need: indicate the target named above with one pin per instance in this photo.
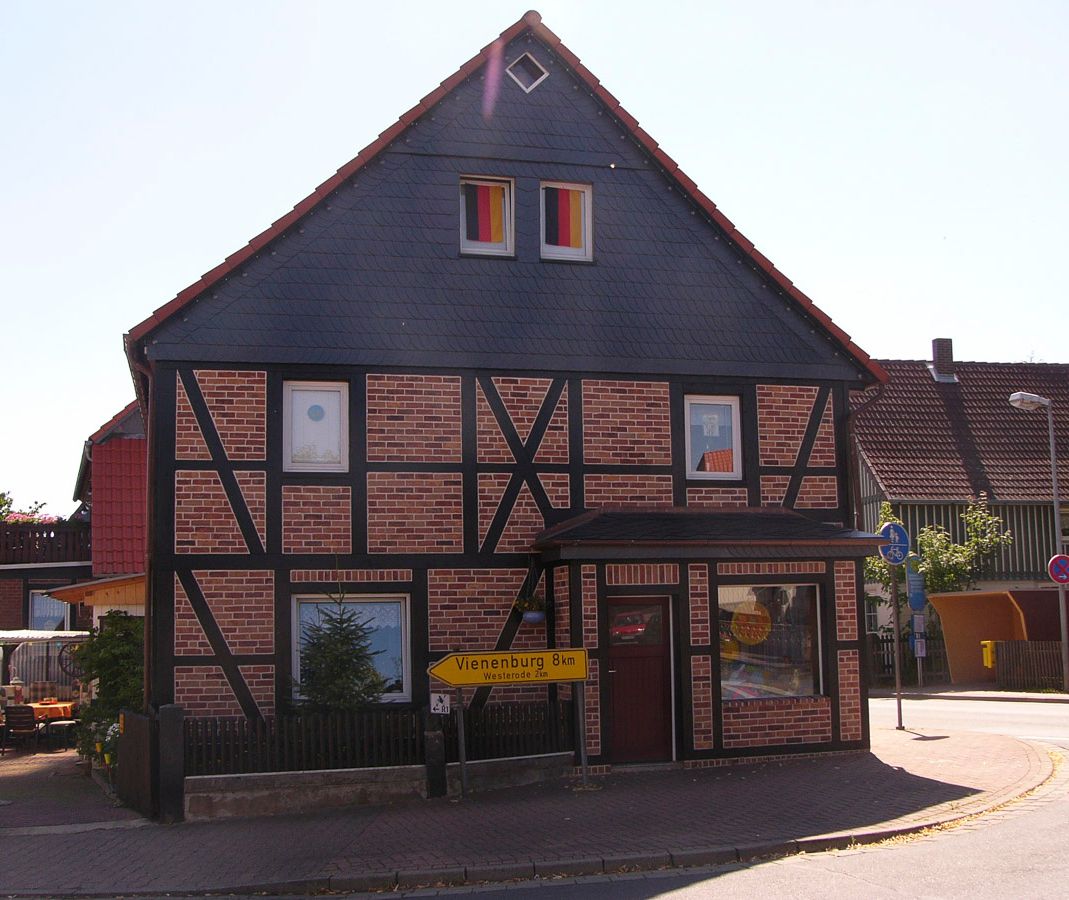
(7, 508)
(946, 565)
(337, 663)
(113, 656)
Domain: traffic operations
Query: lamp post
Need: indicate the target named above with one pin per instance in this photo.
(1022, 400)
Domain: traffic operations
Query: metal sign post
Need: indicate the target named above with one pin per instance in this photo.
(512, 667)
(894, 554)
(580, 703)
(462, 750)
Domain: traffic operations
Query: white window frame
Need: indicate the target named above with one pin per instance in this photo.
(552, 251)
(506, 247)
(65, 625)
(288, 462)
(736, 430)
(536, 82)
(818, 625)
(405, 696)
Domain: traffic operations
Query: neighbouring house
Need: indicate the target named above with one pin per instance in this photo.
(111, 483)
(512, 348)
(939, 434)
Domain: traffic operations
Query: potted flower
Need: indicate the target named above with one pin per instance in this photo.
(532, 607)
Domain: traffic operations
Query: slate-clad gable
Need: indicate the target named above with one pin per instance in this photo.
(374, 276)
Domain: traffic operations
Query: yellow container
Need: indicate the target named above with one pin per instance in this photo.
(988, 650)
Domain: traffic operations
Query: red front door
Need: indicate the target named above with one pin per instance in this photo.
(639, 678)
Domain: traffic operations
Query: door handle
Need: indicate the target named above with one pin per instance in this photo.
(612, 671)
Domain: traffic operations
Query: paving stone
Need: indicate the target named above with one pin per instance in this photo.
(588, 866)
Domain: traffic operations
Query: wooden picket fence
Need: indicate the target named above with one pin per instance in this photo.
(295, 743)
(60, 542)
(1028, 665)
(503, 730)
(369, 738)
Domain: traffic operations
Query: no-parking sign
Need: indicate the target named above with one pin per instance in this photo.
(1058, 568)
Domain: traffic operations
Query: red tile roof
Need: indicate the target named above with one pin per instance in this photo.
(926, 440)
(531, 21)
(119, 479)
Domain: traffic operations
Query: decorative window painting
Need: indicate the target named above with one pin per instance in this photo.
(316, 427)
(769, 645)
(486, 225)
(713, 437)
(565, 221)
(387, 621)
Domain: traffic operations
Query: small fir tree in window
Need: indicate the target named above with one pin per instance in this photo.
(337, 663)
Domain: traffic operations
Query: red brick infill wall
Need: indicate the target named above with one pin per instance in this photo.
(11, 604)
(204, 521)
(626, 423)
(782, 416)
(316, 519)
(242, 604)
(414, 512)
(413, 418)
(779, 722)
(642, 573)
(849, 695)
(701, 686)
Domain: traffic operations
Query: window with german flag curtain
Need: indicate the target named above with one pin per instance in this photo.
(565, 221)
(486, 216)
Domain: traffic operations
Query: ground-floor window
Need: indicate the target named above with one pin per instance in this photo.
(769, 641)
(47, 613)
(387, 620)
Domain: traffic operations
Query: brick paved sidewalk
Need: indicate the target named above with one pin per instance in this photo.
(643, 819)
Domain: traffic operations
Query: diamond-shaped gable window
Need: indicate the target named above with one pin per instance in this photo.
(527, 72)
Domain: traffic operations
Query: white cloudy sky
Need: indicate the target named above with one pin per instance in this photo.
(903, 163)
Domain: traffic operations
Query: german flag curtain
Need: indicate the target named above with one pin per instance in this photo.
(484, 213)
(564, 217)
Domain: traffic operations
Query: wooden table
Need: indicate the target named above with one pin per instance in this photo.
(42, 712)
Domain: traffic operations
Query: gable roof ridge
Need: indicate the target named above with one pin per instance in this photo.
(114, 422)
(531, 20)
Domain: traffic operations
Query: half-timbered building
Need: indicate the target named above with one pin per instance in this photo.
(511, 348)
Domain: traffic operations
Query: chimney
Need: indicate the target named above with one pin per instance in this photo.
(942, 365)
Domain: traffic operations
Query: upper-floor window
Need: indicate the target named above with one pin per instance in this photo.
(713, 437)
(47, 613)
(315, 426)
(486, 220)
(566, 225)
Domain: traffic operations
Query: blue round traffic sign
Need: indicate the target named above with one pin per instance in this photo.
(1058, 568)
(896, 549)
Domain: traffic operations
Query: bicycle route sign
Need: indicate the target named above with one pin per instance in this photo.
(896, 549)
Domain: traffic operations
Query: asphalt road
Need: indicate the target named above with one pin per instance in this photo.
(1048, 722)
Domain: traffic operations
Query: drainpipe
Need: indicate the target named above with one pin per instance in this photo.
(150, 470)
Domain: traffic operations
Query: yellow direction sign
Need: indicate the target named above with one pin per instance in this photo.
(511, 667)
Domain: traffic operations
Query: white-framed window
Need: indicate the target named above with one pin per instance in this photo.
(47, 613)
(872, 615)
(387, 619)
(527, 72)
(315, 436)
(769, 641)
(566, 221)
(487, 225)
(714, 437)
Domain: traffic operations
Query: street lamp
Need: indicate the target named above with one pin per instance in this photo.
(1031, 402)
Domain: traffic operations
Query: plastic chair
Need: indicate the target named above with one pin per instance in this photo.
(22, 725)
